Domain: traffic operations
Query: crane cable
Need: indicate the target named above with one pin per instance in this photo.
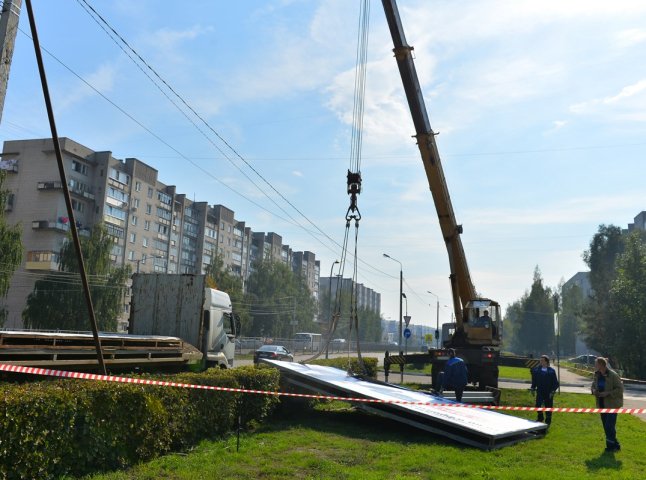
(353, 189)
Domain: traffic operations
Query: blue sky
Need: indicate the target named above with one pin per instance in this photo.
(541, 109)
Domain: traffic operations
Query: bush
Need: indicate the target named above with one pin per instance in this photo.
(54, 428)
(351, 364)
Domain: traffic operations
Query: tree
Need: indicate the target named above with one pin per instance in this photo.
(11, 250)
(571, 317)
(58, 302)
(279, 297)
(624, 340)
(605, 247)
(531, 319)
(369, 321)
(220, 278)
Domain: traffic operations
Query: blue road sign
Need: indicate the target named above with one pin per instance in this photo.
(407, 333)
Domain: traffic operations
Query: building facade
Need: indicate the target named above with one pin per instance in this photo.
(154, 228)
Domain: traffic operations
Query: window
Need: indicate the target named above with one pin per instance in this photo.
(149, 209)
(114, 230)
(164, 198)
(119, 176)
(79, 167)
(211, 233)
(135, 202)
(150, 192)
(144, 241)
(163, 213)
(117, 194)
(133, 237)
(114, 212)
(146, 224)
(133, 220)
(78, 206)
(131, 255)
(138, 186)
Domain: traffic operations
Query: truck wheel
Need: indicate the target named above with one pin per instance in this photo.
(488, 378)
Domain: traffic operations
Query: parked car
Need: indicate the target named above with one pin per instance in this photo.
(585, 359)
(274, 352)
(338, 341)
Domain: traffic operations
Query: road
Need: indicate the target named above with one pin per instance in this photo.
(634, 395)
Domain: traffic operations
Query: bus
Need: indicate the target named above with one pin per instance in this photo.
(307, 342)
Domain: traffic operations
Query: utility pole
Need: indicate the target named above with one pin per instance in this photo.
(8, 29)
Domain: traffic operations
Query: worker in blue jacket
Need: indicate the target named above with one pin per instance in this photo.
(544, 385)
(455, 375)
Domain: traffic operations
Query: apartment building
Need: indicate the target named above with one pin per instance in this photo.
(154, 228)
(366, 297)
(306, 265)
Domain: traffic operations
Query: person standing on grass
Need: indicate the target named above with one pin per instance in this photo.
(455, 375)
(544, 385)
(608, 389)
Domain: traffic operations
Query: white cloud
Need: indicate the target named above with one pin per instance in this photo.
(571, 211)
(629, 38)
(297, 173)
(637, 90)
(559, 124)
(103, 79)
(167, 39)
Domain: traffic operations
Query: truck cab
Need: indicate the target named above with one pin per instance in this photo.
(220, 329)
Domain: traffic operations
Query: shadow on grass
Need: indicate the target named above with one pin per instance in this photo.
(343, 420)
(606, 460)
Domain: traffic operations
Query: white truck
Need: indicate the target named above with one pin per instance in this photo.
(183, 306)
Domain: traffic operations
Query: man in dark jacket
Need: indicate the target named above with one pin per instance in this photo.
(544, 384)
(608, 388)
(455, 375)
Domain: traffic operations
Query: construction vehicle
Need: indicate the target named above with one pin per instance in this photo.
(476, 338)
(176, 322)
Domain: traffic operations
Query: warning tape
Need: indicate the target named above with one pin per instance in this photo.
(142, 381)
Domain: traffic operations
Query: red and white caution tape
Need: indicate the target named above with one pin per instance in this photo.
(161, 383)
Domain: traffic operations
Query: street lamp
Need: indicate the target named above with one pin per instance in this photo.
(437, 321)
(401, 293)
(327, 344)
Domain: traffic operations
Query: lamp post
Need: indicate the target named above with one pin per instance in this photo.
(327, 344)
(401, 292)
(437, 321)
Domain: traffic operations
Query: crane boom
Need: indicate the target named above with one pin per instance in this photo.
(461, 284)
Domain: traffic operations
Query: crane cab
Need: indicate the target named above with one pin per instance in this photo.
(482, 322)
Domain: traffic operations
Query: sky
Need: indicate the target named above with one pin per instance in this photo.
(540, 109)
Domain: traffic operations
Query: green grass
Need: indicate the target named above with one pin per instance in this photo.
(515, 373)
(333, 441)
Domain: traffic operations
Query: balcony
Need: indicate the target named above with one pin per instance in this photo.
(52, 185)
(10, 166)
(58, 225)
(42, 260)
(74, 189)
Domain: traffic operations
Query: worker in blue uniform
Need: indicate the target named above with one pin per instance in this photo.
(544, 385)
(455, 375)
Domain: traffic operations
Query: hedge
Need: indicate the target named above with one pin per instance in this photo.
(76, 427)
(351, 364)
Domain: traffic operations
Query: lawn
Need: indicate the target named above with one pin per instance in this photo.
(515, 373)
(333, 441)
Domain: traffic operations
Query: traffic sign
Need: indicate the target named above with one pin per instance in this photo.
(407, 319)
(407, 333)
